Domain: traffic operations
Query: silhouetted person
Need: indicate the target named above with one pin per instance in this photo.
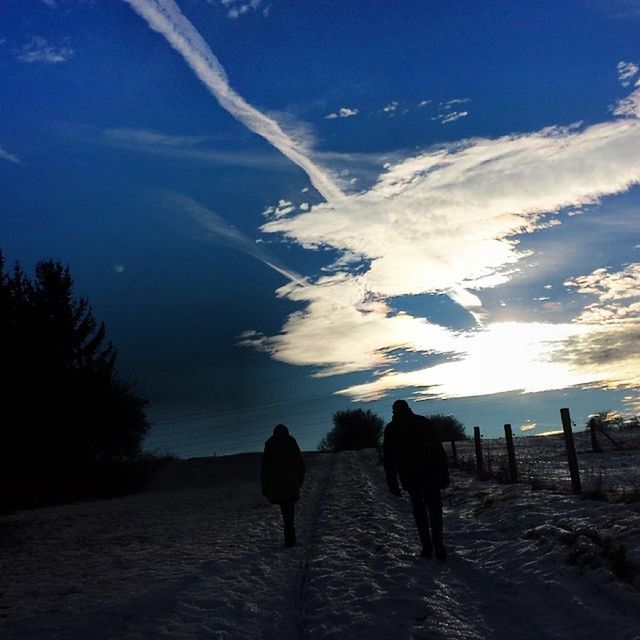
(282, 476)
(413, 451)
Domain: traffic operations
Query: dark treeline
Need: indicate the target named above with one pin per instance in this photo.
(360, 429)
(66, 420)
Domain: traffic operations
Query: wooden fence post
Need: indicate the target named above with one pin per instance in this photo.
(513, 469)
(455, 453)
(476, 437)
(593, 428)
(571, 451)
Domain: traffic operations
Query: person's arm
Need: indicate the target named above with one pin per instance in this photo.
(390, 467)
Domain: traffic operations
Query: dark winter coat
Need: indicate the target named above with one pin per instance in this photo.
(413, 451)
(282, 469)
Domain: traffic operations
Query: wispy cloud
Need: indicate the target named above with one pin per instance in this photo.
(237, 8)
(185, 147)
(51, 3)
(518, 354)
(450, 116)
(449, 104)
(342, 329)
(214, 228)
(151, 137)
(39, 50)
(405, 235)
(165, 17)
(626, 72)
(390, 108)
(628, 107)
(5, 155)
(343, 112)
(617, 293)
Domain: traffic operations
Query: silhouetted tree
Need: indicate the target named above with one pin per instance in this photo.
(353, 429)
(63, 410)
(449, 428)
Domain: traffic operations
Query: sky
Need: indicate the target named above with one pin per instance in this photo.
(282, 209)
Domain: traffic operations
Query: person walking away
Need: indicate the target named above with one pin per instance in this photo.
(282, 476)
(413, 453)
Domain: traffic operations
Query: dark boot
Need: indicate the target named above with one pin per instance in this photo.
(290, 537)
(288, 509)
(426, 552)
(441, 552)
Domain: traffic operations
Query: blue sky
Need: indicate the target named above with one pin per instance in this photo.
(285, 209)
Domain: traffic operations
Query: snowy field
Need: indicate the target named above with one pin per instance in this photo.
(199, 555)
(542, 461)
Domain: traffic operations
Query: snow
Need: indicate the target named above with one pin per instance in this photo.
(199, 554)
(543, 461)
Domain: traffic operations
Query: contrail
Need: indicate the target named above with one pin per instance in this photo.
(165, 17)
(5, 155)
(217, 228)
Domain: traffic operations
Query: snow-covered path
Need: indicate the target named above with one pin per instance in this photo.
(199, 555)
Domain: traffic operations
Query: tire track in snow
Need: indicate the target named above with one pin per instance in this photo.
(365, 579)
(292, 583)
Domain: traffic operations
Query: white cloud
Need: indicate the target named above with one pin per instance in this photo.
(343, 112)
(452, 116)
(517, 354)
(627, 71)
(628, 107)
(448, 114)
(471, 200)
(237, 8)
(445, 222)
(51, 3)
(165, 17)
(39, 50)
(342, 330)
(632, 403)
(5, 155)
(151, 137)
(618, 295)
(390, 108)
(449, 104)
(424, 103)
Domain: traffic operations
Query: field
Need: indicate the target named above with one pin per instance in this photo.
(199, 555)
(613, 474)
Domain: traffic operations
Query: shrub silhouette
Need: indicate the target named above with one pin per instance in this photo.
(64, 413)
(353, 429)
(448, 427)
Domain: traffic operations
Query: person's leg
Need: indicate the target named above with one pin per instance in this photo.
(287, 508)
(422, 519)
(433, 500)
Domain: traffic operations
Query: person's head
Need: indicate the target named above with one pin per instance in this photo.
(401, 409)
(280, 430)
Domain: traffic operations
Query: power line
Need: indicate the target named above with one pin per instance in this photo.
(236, 410)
